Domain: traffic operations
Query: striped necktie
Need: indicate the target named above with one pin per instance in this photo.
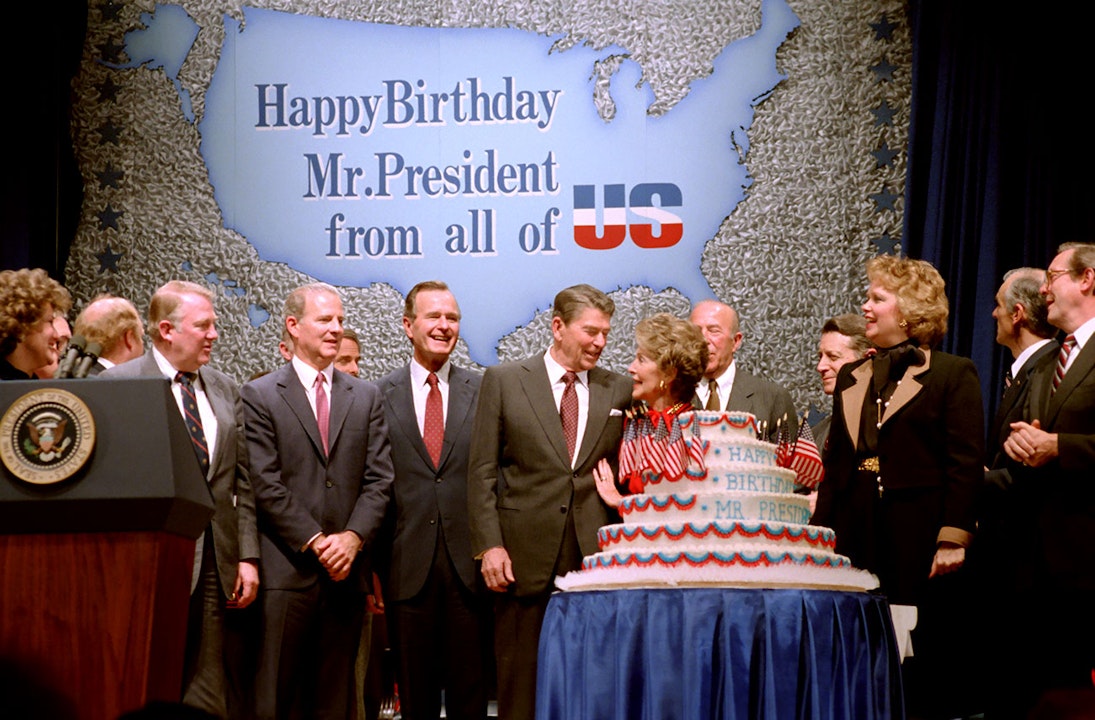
(192, 418)
(1062, 360)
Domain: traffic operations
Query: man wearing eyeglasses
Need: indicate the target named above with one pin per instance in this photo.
(1054, 574)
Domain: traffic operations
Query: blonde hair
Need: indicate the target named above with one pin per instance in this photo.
(920, 293)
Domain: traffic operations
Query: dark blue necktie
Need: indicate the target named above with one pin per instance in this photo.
(193, 419)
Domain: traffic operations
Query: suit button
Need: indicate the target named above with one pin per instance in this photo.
(563, 509)
(437, 479)
(433, 522)
(330, 484)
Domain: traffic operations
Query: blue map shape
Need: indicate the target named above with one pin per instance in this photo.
(170, 33)
(333, 196)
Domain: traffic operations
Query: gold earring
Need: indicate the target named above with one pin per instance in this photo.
(903, 324)
(661, 384)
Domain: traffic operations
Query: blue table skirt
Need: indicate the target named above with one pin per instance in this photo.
(700, 653)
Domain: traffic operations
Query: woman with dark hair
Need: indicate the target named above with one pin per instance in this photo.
(29, 300)
(670, 358)
(903, 466)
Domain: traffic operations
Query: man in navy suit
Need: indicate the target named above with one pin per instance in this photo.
(435, 598)
(1022, 326)
(1054, 627)
(322, 472)
(182, 325)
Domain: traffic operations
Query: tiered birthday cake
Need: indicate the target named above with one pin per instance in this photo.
(737, 524)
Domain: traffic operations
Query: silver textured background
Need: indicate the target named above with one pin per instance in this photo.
(790, 255)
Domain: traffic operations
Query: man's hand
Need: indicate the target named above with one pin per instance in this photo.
(1030, 445)
(247, 585)
(497, 569)
(337, 553)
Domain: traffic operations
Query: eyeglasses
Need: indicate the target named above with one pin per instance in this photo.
(1052, 275)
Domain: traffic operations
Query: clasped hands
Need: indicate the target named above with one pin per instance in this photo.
(337, 552)
(1030, 445)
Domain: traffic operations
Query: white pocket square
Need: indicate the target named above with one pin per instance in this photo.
(615, 412)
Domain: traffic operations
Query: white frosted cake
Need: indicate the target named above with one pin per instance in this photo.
(738, 524)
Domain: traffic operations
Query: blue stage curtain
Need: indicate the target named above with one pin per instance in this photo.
(700, 653)
(997, 162)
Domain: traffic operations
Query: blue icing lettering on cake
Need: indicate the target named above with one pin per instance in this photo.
(738, 525)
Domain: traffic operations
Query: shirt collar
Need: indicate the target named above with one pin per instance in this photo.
(169, 371)
(556, 371)
(726, 380)
(1020, 361)
(307, 374)
(419, 373)
(1084, 332)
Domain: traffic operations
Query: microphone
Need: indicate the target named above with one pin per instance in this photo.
(91, 354)
(72, 354)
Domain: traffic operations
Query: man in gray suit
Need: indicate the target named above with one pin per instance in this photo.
(182, 325)
(541, 426)
(435, 598)
(728, 387)
(322, 472)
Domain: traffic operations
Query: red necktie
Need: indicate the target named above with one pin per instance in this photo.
(323, 411)
(433, 429)
(568, 412)
(1062, 360)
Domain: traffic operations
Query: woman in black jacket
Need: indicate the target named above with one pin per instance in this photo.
(904, 464)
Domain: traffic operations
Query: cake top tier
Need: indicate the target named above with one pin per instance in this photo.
(714, 424)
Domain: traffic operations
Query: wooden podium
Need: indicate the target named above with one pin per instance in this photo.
(95, 568)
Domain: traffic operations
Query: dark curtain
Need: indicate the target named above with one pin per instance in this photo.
(42, 193)
(996, 153)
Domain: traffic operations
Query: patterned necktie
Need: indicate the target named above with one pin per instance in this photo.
(433, 429)
(1062, 360)
(192, 418)
(713, 396)
(568, 412)
(323, 410)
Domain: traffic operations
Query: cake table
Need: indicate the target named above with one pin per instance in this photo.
(732, 654)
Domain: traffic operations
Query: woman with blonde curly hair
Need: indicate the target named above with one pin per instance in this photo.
(903, 467)
(29, 299)
(670, 358)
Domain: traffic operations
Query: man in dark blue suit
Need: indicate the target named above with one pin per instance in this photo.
(435, 598)
(322, 471)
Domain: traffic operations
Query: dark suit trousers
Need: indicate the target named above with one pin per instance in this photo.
(441, 642)
(310, 639)
(517, 623)
(204, 682)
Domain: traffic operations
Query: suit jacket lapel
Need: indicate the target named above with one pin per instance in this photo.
(852, 397)
(538, 391)
(908, 387)
(600, 403)
(292, 392)
(226, 418)
(401, 396)
(1081, 367)
(341, 399)
(461, 395)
